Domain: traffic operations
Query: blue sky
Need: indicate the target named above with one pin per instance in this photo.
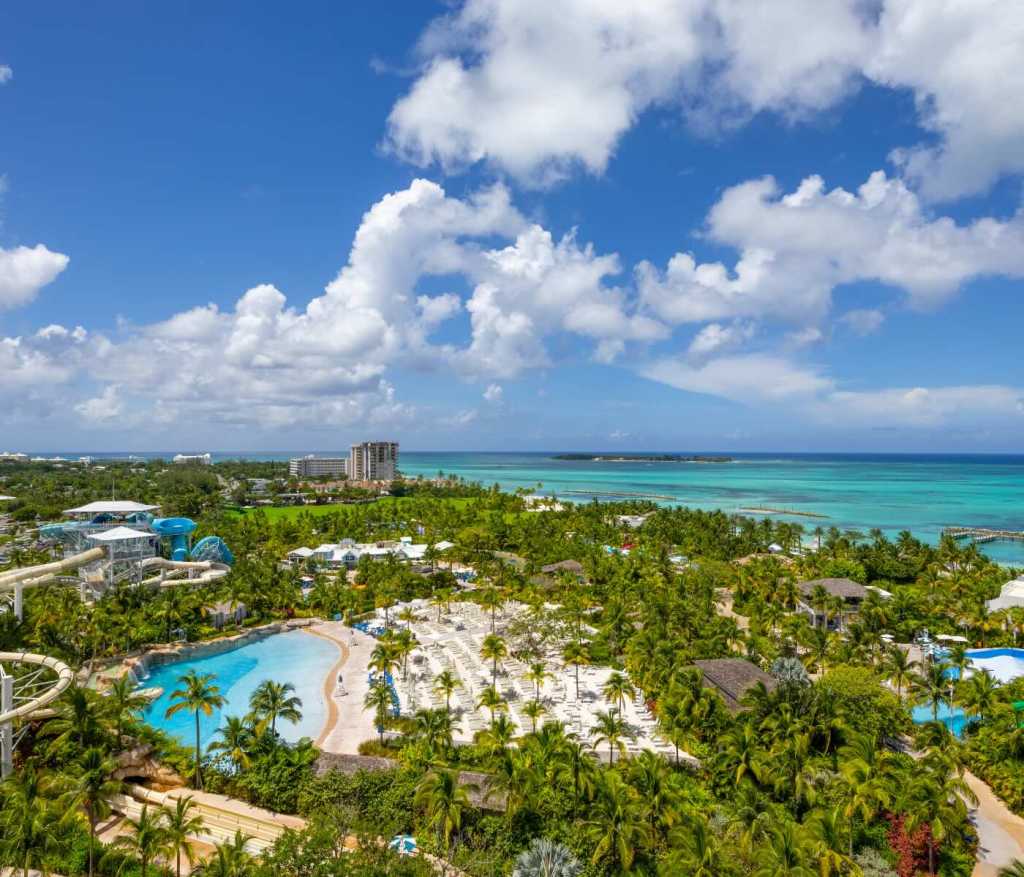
(500, 225)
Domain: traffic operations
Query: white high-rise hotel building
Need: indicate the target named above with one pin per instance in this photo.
(373, 461)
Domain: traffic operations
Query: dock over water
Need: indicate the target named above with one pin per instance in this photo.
(983, 534)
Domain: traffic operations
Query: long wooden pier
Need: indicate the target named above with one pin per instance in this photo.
(983, 534)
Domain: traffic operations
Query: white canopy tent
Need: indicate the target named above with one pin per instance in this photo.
(111, 507)
(6, 498)
(119, 534)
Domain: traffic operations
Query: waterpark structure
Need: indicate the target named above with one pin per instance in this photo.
(101, 545)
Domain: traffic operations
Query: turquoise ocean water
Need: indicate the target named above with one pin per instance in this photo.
(920, 493)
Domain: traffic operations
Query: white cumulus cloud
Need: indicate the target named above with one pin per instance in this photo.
(537, 88)
(26, 270)
(6, 74)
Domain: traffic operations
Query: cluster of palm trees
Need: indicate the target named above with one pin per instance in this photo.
(239, 737)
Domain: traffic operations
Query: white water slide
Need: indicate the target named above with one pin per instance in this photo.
(28, 683)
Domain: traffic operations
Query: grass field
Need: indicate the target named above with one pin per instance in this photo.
(280, 513)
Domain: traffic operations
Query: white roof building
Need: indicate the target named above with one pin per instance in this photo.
(1011, 596)
(119, 534)
(111, 507)
(301, 552)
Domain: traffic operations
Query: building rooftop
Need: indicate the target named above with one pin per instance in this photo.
(847, 589)
(573, 566)
(733, 677)
(119, 534)
(111, 507)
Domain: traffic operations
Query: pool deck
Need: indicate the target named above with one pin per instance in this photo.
(347, 723)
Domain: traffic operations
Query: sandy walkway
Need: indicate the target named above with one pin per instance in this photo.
(1000, 832)
(347, 724)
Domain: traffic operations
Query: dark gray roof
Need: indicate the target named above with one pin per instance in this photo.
(845, 588)
(732, 677)
(475, 783)
(573, 566)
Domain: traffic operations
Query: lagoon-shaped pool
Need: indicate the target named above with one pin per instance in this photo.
(296, 657)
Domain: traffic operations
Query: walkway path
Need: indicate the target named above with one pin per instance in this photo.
(1000, 832)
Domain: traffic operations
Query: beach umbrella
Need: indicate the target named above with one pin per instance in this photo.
(403, 844)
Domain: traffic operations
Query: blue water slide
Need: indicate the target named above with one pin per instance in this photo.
(177, 530)
(214, 549)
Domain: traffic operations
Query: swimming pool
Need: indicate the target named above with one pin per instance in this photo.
(296, 657)
(1005, 665)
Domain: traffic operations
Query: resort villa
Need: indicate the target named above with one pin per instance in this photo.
(732, 678)
(830, 602)
(1011, 596)
(346, 553)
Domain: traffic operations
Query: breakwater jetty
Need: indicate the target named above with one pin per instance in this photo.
(769, 510)
(983, 534)
(625, 494)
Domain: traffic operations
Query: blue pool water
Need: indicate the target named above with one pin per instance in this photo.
(296, 657)
(1004, 664)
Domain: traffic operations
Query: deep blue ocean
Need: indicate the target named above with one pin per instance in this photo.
(922, 493)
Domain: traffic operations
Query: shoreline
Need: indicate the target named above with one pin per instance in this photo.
(327, 689)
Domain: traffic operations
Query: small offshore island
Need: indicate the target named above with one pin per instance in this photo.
(640, 458)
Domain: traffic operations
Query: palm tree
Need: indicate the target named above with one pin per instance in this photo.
(146, 838)
(93, 788)
(537, 673)
(615, 825)
(196, 694)
(33, 827)
(490, 598)
(1014, 869)
(123, 703)
(786, 855)
(978, 694)
(236, 739)
(618, 689)
(434, 728)
(378, 699)
(493, 649)
(78, 720)
(932, 686)
(533, 710)
(445, 684)
(546, 858)
(576, 652)
(898, 669)
(696, 851)
(272, 701)
(610, 729)
(230, 859)
(182, 825)
(491, 700)
(827, 830)
(444, 801)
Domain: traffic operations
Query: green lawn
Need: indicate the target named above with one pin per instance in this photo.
(279, 513)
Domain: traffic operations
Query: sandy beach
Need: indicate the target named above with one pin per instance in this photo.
(347, 723)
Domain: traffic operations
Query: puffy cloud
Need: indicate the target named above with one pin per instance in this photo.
(715, 339)
(105, 407)
(921, 406)
(6, 74)
(537, 88)
(863, 321)
(764, 380)
(750, 378)
(796, 248)
(26, 270)
(262, 361)
(962, 61)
